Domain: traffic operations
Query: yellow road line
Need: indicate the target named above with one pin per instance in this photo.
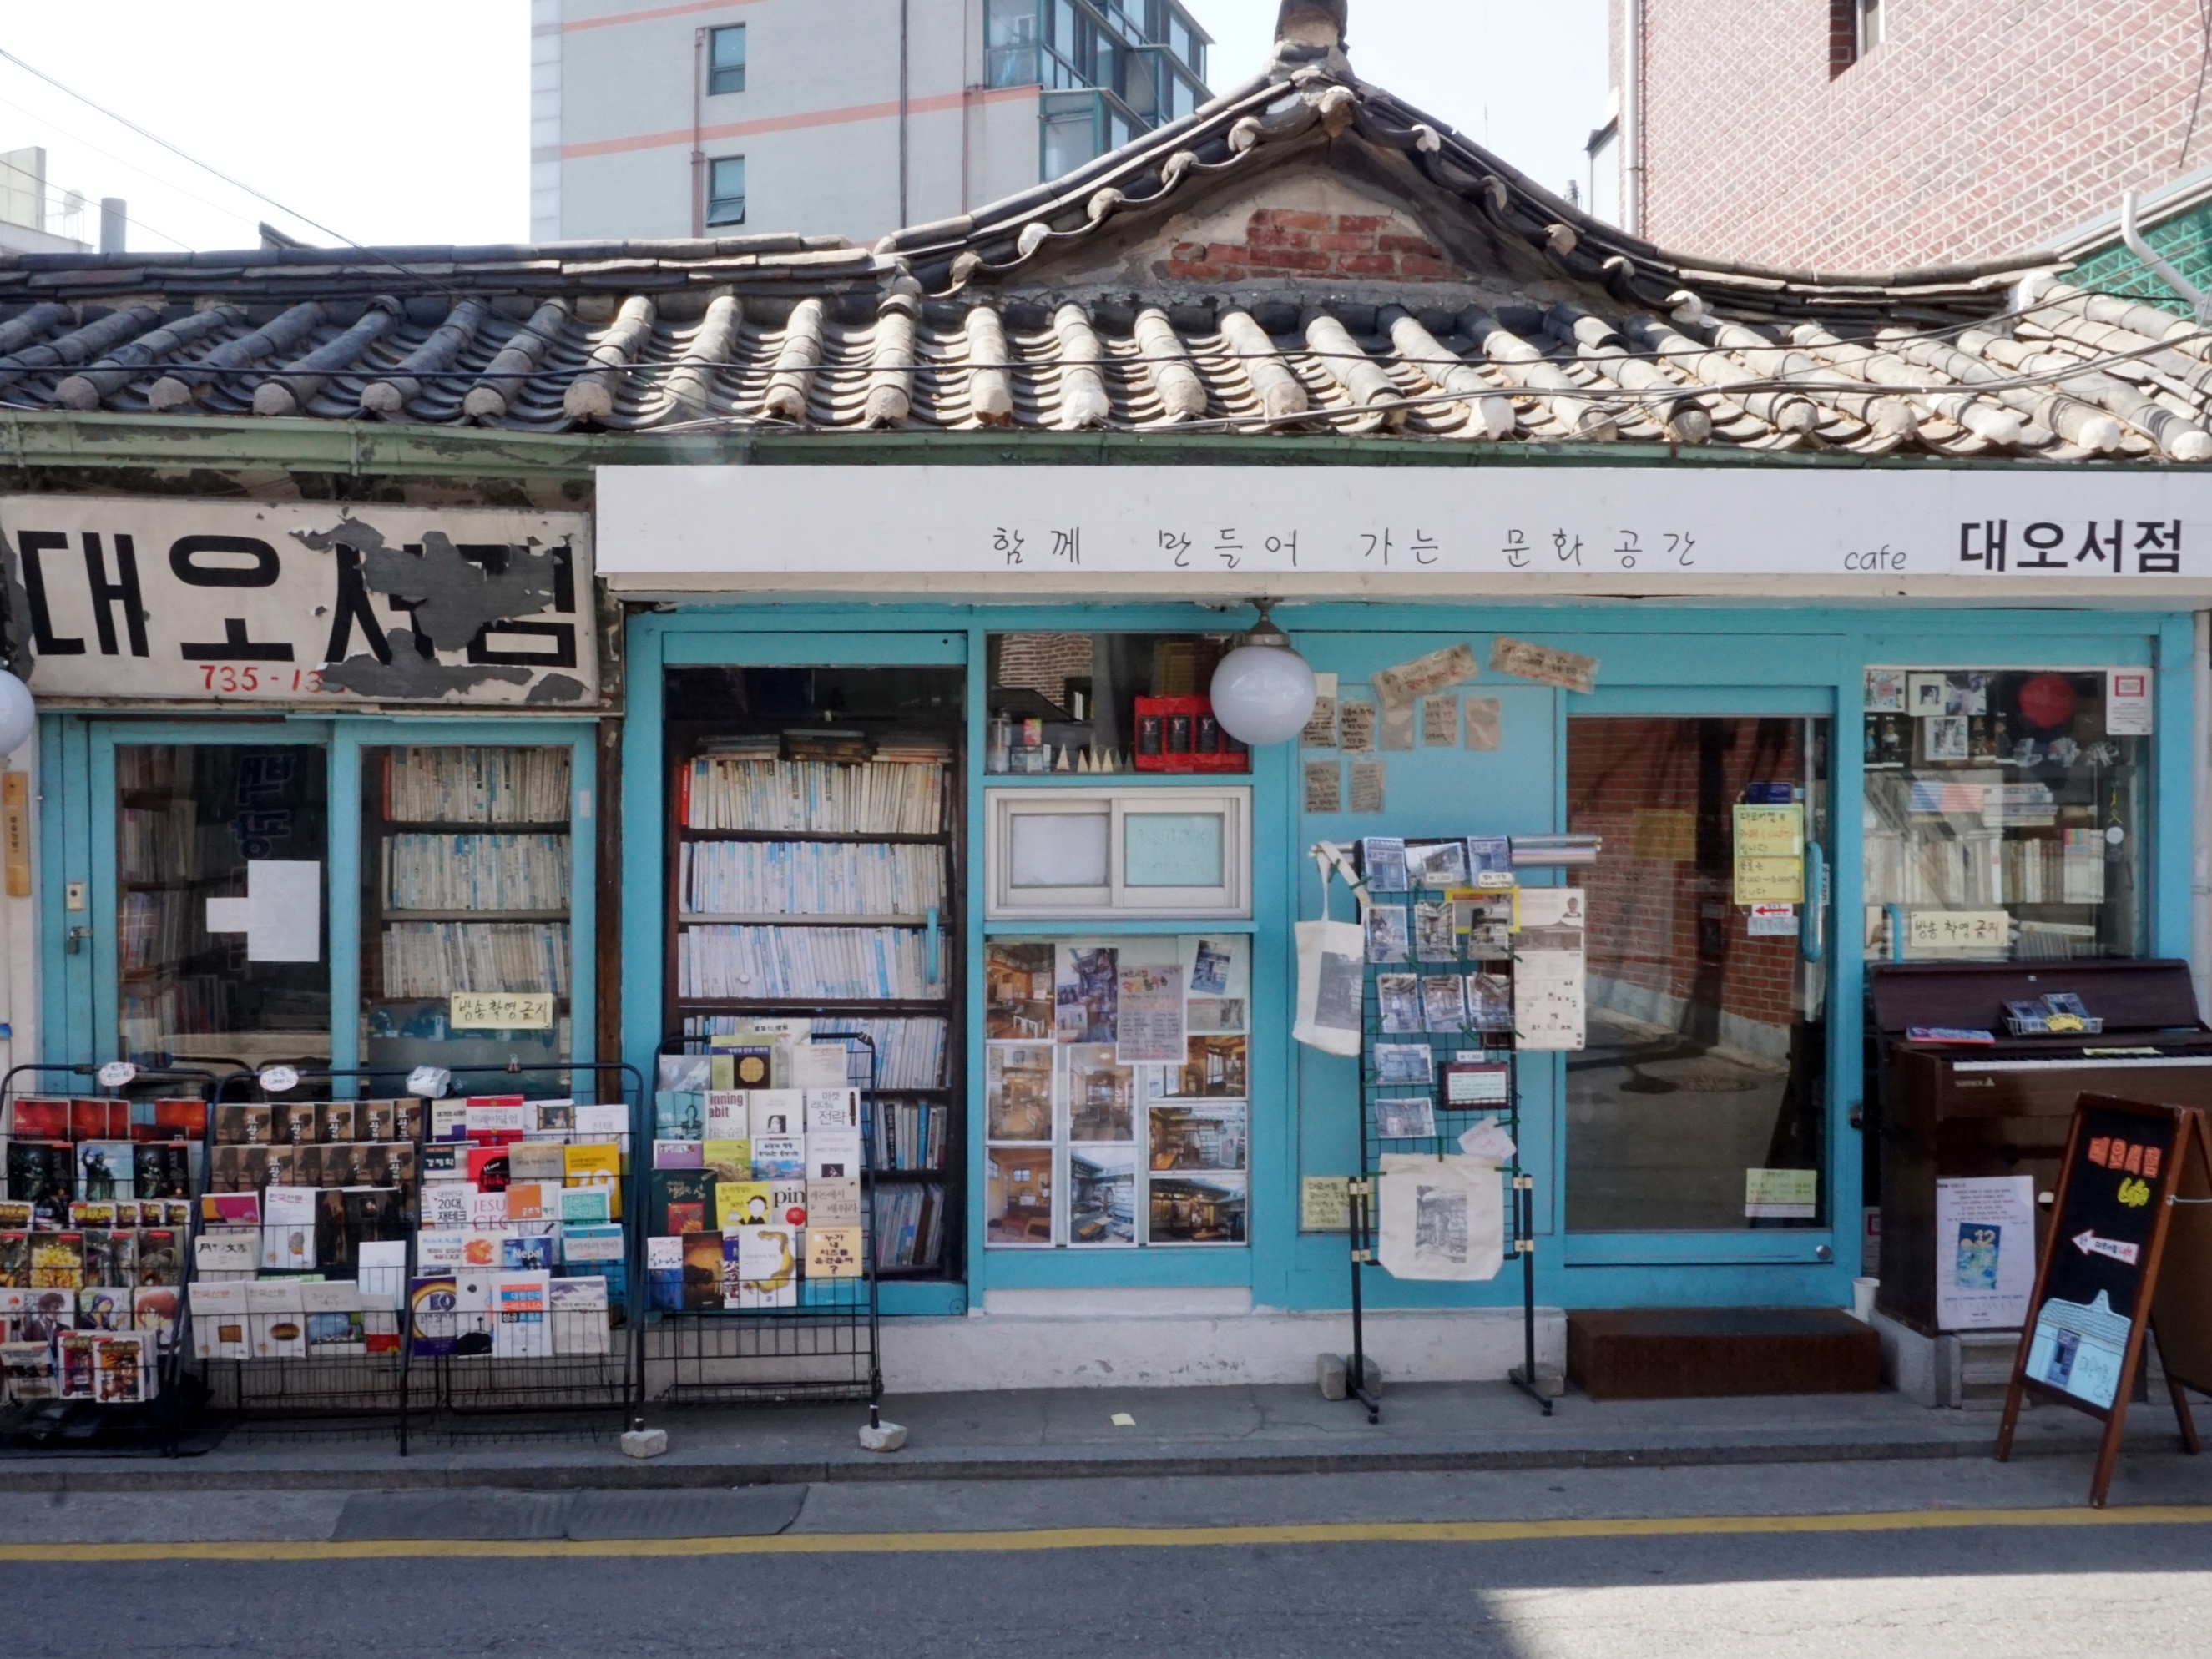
(1089, 1538)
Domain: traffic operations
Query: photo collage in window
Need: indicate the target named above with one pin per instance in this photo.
(1116, 1091)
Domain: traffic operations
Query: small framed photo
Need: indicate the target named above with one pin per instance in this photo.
(1945, 738)
(1885, 692)
(1927, 693)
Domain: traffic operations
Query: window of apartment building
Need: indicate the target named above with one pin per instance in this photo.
(726, 190)
(1855, 28)
(1010, 43)
(725, 72)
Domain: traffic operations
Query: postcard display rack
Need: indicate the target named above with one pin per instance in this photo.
(391, 1251)
(1444, 1011)
(764, 1220)
(96, 1230)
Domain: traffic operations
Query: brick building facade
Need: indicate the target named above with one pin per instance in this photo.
(1960, 130)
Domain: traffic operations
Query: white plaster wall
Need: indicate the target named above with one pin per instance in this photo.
(1083, 1346)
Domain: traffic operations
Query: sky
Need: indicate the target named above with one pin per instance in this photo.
(416, 129)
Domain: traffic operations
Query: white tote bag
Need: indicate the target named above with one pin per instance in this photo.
(1441, 1217)
(1332, 967)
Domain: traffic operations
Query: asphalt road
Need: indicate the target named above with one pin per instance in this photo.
(1946, 1559)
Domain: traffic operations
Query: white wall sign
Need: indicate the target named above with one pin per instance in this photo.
(1985, 1252)
(2098, 536)
(292, 604)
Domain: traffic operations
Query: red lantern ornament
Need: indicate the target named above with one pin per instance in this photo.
(2048, 700)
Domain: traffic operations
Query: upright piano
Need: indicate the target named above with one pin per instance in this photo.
(2004, 1108)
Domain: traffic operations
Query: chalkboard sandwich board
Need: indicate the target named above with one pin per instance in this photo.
(2130, 1250)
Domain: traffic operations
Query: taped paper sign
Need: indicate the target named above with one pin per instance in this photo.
(1958, 933)
(1770, 854)
(1433, 672)
(500, 1011)
(1544, 664)
(1985, 1252)
(1781, 1194)
(1324, 1204)
(284, 910)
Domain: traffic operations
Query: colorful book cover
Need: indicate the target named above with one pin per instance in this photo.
(834, 1202)
(779, 1157)
(58, 1261)
(679, 1155)
(591, 1244)
(530, 1252)
(432, 1327)
(40, 1120)
(664, 1274)
(529, 1201)
(679, 1196)
(489, 1168)
(104, 1170)
(829, 1111)
(833, 1252)
(702, 1270)
(744, 1204)
(762, 1266)
(540, 1161)
(79, 1352)
(586, 1207)
(104, 1308)
(579, 1314)
(728, 1160)
(154, 1308)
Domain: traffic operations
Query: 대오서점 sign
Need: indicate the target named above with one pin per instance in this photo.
(282, 604)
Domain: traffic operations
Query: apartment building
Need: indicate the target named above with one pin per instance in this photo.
(841, 117)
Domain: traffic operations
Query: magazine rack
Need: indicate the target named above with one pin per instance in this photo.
(826, 1348)
(569, 1387)
(1451, 1122)
(154, 1427)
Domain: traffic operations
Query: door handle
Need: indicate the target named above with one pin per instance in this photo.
(77, 938)
(1813, 937)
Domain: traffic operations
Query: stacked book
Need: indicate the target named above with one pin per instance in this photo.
(476, 871)
(782, 878)
(908, 1134)
(437, 958)
(737, 962)
(898, 793)
(910, 1229)
(159, 928)
(476, 786)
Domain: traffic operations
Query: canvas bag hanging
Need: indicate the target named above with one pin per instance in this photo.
(1332, 956)
(1441, 1217)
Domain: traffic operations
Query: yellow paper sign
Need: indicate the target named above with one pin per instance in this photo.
(1781, 1194)
(1770, 854)
(500, 1011)
(1324, 1204)
(1664, 832)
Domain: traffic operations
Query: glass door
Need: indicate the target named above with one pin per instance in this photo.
(209, 928)
(1699, 1108)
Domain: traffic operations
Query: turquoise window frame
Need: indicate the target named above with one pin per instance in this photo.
(79, 991)
(1778, 658)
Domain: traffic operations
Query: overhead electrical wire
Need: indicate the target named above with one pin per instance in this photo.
(235, 183)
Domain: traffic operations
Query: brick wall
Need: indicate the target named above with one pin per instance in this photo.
(1643, 784)
(1977, 128)
(1294, 242)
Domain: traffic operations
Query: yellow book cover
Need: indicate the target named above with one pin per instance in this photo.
(743, 1203)
(596, 1166)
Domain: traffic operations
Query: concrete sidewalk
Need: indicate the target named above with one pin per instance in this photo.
(1061, 1434)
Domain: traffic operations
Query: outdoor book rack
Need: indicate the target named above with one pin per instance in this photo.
(826, 1348)
(1452, 1120)
(586, 1378)
(148, 1428)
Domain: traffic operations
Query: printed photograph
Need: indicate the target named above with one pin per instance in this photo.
(1399, 997)
(1489, 1002)
(1017, 991)
(1017, 1090)
(1101, 1195)
(1444, 1002)
(1217, 966)
(1087, 993)
(1214, 1016)
(1404, 1063)
(1017, 1196)
(1213, 1066)
(1405, 1117)
(1196, 1209)
(1198, 1137)
(1101, 1095)
(1433, 939)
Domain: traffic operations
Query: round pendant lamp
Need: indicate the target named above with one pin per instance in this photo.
(18, 716)
(1263, 690)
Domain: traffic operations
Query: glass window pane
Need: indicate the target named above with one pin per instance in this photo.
(1107, 702)
(221, 948)
(2003, 817)
(1700, 1104)
(466, 864)
(726, 190)
(1010, 41)
(1060, 849)
(726, 70)
(1171, 850)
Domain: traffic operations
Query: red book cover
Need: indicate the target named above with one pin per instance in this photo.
(99, 1120)
(42, 1120)
(488, 1168)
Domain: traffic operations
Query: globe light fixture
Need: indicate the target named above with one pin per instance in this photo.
(18, 716)
(1263, 690)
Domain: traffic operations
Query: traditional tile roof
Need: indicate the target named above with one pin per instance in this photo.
(1306, 253)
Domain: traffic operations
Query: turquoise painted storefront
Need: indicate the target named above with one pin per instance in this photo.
(1796, 662)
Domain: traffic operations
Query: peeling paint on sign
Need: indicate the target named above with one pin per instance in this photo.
(298, 604)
